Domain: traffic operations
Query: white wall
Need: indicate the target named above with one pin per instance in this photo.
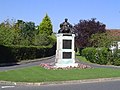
(119, 45)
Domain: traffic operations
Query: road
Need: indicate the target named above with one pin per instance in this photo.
(16, 66)
(112, 85)
(50, 60)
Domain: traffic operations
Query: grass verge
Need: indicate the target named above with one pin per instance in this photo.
(39, 74)
(83, 59)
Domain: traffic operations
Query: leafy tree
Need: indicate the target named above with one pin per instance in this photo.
(85, 28)
(25, 32)
(44, 40)
(45, 26)
(6, 35)
(41, 40)
(101, 40)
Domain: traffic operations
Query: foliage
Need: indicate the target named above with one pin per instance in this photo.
(17, 53)
(89, 53)
(85, 28)
(41, 40)
(116, 58)
(22, 40)
(45, 26)
(25, 32)
(44, 40)
(102, 56)
(101, 40)
(6, 35)
(96, 55)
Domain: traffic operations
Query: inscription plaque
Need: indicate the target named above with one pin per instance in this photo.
(67, 44)
(67, 55)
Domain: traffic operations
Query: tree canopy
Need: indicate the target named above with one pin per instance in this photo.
(26, 33)
(45, 26)
(85, 28)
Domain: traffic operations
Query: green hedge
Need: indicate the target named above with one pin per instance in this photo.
(96, 55)
(116, 58)
(17, 53)
(102, 56)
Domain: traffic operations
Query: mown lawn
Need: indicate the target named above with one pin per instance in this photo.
(39, 74)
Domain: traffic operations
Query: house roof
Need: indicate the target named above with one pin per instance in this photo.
(113, 32)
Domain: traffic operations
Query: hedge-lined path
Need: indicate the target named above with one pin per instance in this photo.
(48, 60)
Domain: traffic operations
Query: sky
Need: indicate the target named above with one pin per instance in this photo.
(105, 11)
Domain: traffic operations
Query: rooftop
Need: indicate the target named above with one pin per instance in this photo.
(114, 32)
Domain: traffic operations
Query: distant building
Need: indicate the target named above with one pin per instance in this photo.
(115, 33)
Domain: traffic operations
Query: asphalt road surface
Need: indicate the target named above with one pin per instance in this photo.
(16, 66)
(50, 60)
(113, 85)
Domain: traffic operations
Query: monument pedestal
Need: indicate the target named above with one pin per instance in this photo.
(65, 54)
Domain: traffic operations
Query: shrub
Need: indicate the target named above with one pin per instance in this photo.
(17, 53)
(96, 55)
(102, 55)
(89, 54)
(116, 59)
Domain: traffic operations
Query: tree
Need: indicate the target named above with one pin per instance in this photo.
(101, 40)
(25, 32)
(6, 35)
(85, 28)
(41, 40)
(45, 26)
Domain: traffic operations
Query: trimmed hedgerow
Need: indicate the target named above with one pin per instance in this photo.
(17, 53)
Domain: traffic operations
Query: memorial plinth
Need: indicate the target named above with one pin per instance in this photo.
(65, 54)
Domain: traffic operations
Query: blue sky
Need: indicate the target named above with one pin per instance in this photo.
(106, 11)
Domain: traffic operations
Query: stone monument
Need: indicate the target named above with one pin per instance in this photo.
(65, 54)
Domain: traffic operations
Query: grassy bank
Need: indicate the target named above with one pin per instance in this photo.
(38, 74)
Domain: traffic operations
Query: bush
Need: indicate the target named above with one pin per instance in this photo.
(89, 54)
(102, 55)
(116, 62)
(96, 55)
(116, 58)
(17, 53)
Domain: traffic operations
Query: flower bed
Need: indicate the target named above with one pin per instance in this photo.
(52, 66)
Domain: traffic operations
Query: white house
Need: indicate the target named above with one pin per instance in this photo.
(115, 33)
(118, 44)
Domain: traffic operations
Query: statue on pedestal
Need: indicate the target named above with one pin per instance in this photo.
(66, 27)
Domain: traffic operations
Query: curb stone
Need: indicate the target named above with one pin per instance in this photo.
(61, 82)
